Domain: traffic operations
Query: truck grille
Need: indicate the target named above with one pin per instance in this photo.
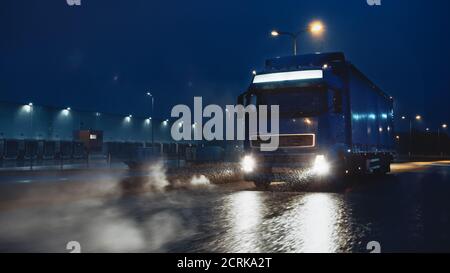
(286, 141)
(286, 159)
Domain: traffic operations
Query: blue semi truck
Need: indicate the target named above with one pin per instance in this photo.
(334, 121)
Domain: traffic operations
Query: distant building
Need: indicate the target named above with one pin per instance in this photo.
(29, 131)
(37, 122)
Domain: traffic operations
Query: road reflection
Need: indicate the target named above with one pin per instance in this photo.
(244, 216)
(403, 212)
(317, 220)
(308, 222)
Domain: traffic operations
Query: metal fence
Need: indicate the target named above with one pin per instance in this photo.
(33, 153)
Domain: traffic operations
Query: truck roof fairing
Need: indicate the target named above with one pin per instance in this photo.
(315, 61)
(288, 76)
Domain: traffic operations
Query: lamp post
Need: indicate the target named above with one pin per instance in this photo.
(417, 118)
(31, 133)
(315, 28)
(30, 105)
(444, 127)
(151, 121)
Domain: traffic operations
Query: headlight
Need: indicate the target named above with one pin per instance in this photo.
(321, 166)
(248, 164)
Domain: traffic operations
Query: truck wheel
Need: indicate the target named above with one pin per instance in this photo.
(262, 184)
(387, 167)
(384, 169)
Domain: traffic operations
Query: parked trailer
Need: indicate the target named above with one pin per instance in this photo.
(31, 149)
(65, 149)
(112, 148)
(156, 146)
(78, 151)
(49, 149)
(333, 120)
(2, 149)
(142, 158)
(11, 149)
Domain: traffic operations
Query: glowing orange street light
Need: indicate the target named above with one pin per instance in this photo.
(316, 28)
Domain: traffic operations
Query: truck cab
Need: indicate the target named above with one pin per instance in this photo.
(332, 121)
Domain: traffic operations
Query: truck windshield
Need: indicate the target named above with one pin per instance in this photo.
(295, 102)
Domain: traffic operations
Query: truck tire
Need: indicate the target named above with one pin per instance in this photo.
(384, 169)
(387, 167)
(262, 184)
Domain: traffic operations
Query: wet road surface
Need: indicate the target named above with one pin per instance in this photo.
(406, 211)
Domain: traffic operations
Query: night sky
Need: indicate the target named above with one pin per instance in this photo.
(106, 54)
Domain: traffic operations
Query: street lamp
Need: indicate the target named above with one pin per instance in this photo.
(66, 111)
(30, 107)
(444, 127)
(315, 28)
(153, 134)
(417, 118)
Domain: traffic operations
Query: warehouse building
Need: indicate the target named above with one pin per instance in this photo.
(34, 131)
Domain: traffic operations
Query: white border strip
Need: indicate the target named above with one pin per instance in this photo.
(289, 76)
